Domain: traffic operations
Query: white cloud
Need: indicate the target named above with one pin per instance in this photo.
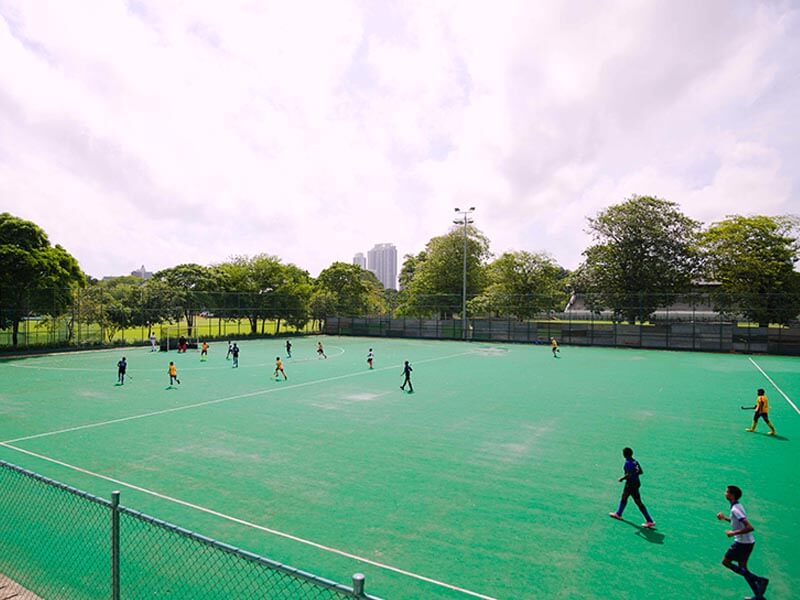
(166, 132)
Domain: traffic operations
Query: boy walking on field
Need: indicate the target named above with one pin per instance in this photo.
(761, 411)
(204, 351)
(632, 470)
(407, 375)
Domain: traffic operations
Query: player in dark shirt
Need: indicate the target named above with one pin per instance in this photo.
(122, 366)
(407, 374)
(631, 478)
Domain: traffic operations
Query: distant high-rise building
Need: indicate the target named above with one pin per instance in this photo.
(142, 273)
(382, 260)
(360, 260)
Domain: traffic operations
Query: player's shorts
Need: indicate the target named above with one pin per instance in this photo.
(739, 552)
(762, 415)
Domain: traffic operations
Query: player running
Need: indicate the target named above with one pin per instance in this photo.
(407, 374)
(173, 374)
(631, 478)
(320, 351)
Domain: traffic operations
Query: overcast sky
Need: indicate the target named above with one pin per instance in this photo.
(158, 133)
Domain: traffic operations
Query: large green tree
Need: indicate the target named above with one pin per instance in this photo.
(111, 303)
(646, 253)
(432, 281)
(262, 288)
(190, 285)
(350, 289)
(522, 284)
(36, 278)
(753, 259)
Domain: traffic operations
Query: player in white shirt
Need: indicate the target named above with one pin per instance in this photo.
(743, 541)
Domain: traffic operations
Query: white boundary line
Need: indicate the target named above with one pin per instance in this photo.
(252, 525)
(775, 385)
(218, 401)
(7, 444)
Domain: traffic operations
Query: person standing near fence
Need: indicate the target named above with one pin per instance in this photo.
(288, 348)
(230, 351)
(122, 366)
(173, 374)
(153, 340)
(761, 411)
(407, 375)
(743, 542)
(632, 470)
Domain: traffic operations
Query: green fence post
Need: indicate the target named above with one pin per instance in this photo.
(114, 546)
(358, 585)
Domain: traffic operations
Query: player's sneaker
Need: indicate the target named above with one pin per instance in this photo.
(649, 525)
(750, 429)
(614, 515)
(771, 433)
(763, 582)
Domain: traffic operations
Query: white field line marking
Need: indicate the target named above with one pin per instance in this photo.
(276, 532)
(217, 401)
(775, 385)
(160, 370)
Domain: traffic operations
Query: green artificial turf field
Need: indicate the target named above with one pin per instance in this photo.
(493, 480)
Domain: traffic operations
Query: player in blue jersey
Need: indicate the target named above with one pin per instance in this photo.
(632, 470)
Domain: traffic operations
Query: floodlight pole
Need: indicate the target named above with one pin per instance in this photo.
(464, 218)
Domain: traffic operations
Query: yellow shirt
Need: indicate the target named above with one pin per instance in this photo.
(762, 404)
(278, 365)
(172, 370)
(205, 346)
(554, 343)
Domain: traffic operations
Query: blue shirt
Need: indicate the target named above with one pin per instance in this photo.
(631, 471)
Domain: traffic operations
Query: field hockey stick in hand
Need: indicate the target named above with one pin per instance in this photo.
(748, 407)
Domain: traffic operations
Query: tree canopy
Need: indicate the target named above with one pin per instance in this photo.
(35, 277)
(522, 284)
(433, 279)
(753, 259)
(646, 254)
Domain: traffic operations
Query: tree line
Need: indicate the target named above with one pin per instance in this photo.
(646, 253)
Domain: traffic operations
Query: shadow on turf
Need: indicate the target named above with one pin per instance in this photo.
(774, 437)
(651, 535)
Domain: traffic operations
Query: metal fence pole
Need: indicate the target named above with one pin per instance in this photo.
(358, 585)
(114, 546)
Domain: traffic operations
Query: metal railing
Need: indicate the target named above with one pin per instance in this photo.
(61, 543)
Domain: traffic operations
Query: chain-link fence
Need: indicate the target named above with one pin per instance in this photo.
(60, 543)
(708, 336)
(86, 318)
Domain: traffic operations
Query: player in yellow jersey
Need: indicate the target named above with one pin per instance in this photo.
(554, 346)
(279, 368)
(173, 374)
(761, 411)
(204, 351)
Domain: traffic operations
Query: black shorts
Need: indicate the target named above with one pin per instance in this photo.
(763, 415)
(739, 552)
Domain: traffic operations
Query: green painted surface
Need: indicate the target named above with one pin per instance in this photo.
(495, 476)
